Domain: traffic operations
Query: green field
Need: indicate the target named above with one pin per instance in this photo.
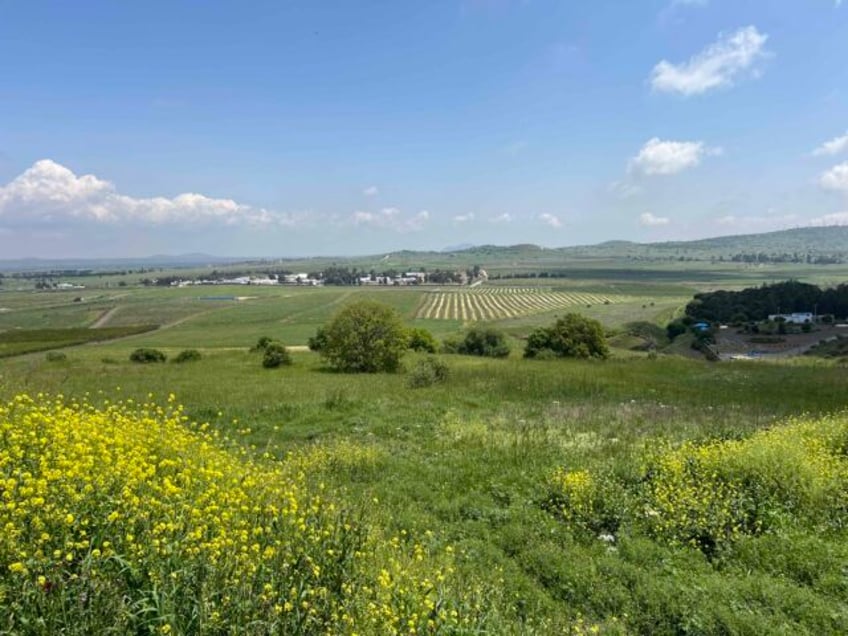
(536, 474)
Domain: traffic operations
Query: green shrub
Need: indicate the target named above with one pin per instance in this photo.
(422, 340)
(56, 356)
(486, 342)
(188, 355)
(145, 355)
(428, 372)
(572, 336)
(276, 355)
(365, 337)
(319, 341)
(451, 344)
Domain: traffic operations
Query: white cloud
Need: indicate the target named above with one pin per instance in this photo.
(836, 178)
(551, 220)
(463, 218)
(50, 192)
(501, 218)
(391, 219)
(836, 218)
(832, 147)
(371, 191)
(658, 157)
(649, 220)
(625, 189)
(717, 66)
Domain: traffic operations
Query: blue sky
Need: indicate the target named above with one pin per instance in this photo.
(296, 128)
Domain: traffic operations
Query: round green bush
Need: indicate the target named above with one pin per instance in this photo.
(428, 372)
(276, 355)
(56, 356)
(188, 355)
(145, 355)
(421, 340)
(486, 342)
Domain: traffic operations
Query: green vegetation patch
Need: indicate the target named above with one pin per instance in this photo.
(20, 341)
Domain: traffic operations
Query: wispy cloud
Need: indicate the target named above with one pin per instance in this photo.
(391, 219)
(836, 178)
(719, 65)
(371, 191)
(550, 220)
(649, 220)
(755, 223)
(832, 147)
(48, 192)
(464, 218)
(501, 218)
(659, 157)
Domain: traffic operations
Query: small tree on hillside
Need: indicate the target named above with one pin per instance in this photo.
(572, 336)
(365, 337)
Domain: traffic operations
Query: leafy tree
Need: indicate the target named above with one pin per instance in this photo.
(365, 337)
(572, 336)
(421, 340)
(487, 342)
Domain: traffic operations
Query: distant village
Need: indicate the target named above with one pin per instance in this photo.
(330, 276)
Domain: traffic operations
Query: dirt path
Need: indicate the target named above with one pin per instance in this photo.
(105, 317)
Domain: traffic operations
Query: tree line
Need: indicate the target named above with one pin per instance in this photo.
(758, 303)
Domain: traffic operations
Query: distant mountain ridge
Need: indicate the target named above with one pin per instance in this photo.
(818, 242)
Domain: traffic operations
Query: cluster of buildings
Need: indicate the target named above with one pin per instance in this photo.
(407, 278)
(287, 279)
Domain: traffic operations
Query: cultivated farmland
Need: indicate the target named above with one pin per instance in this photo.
(498, 303)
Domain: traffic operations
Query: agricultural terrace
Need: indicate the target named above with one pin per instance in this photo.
(499, 303)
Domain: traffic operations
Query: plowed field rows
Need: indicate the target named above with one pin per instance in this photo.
(496, 303)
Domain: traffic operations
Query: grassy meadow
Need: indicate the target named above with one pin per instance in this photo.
(646, 494)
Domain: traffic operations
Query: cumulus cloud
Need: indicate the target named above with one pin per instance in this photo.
(391, 219)
(50, 192)
(550, 220)
(371, 191)
(658, 157)
(832, 147)
(649, 220)
(463, 218)
(501, 218)
(836, 178)
(717, 66)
